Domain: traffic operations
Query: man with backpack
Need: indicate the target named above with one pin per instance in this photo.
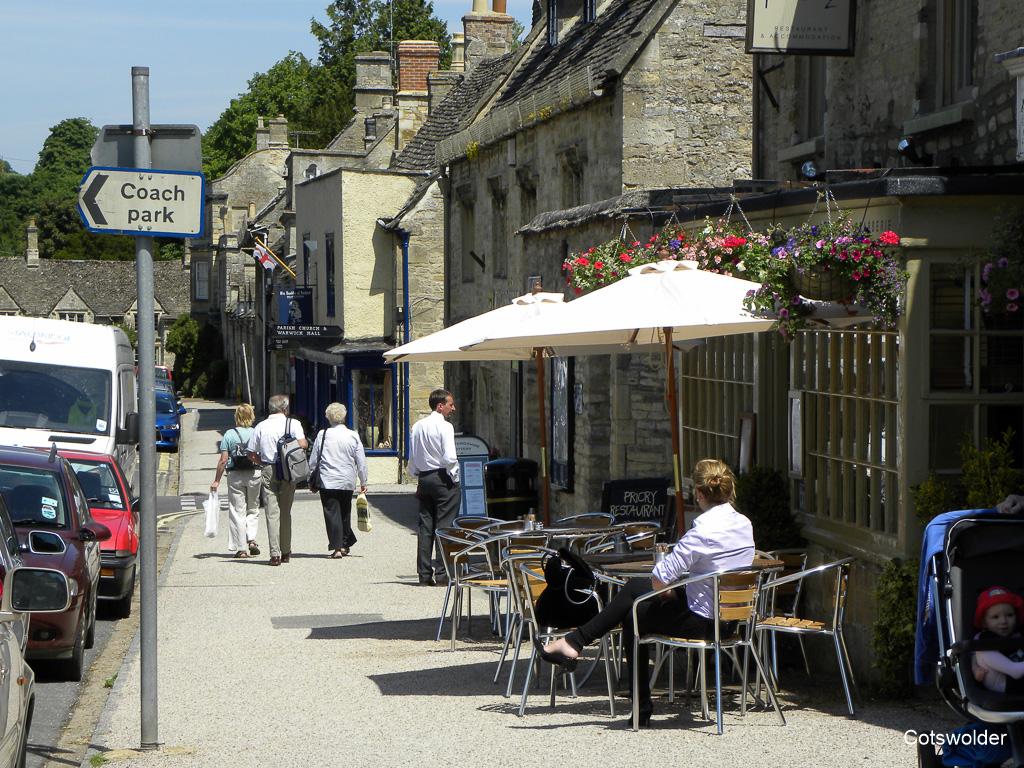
(275, 445)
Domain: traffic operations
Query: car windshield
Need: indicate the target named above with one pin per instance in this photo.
(165, 404)
(55, 397)
(99, 484)
(34, 497)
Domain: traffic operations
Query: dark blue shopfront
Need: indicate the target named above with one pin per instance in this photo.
(364, 384)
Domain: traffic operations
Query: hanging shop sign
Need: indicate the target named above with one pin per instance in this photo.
(805, 27)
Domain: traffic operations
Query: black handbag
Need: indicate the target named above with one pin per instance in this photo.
(570, 597)
(314, 483)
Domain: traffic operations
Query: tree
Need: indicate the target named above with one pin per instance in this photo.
(288, 88)
(64, 158)
(357, 26)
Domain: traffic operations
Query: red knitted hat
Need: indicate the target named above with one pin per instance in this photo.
(995, 596)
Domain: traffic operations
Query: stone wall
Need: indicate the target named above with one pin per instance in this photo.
(686, 103)
(888, 91)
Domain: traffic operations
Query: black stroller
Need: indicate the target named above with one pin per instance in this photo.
(963, 554)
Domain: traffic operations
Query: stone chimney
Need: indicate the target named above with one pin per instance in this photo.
(373, 89)
(262, 135)
(488, 33)
(458, 53)
(438, 86)
(279, 132)
(416, 60)
(32, 251)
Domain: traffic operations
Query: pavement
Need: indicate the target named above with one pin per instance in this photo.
(331, 662)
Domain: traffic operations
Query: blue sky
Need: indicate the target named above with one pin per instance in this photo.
(73, 58)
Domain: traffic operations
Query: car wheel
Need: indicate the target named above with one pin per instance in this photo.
(23, 747)
(74, 668)
(123, 607)
(90, 633)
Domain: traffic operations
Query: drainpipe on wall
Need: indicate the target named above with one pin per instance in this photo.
(408, 326)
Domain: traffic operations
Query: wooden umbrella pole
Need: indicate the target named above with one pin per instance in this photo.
(545, 486)
(673, 412)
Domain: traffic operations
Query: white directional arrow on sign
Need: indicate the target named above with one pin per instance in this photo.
(134, 201)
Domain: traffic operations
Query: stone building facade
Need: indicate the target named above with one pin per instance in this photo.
(102, 292)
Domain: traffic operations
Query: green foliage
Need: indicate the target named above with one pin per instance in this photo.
(181, 340)
(64, 158)
(893, 636)
(131, 333)
(932, 498)
(988, 473)
(762, 494)
(987, 476)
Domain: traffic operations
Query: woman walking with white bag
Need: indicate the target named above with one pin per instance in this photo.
(338, 457)
(243, 484)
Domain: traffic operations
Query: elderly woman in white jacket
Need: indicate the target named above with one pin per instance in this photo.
(338, 453)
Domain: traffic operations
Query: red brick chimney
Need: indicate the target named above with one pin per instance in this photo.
(416, 60)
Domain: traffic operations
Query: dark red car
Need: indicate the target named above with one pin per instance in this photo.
(55, 530)
(111, 503)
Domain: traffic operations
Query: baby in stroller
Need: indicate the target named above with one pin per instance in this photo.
(963, 554)
(998, 615)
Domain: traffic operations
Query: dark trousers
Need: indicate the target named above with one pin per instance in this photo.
(439, 501)
(669, 617)
(337, 506)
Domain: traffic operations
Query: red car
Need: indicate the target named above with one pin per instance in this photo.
(55, 530)
(111, 503)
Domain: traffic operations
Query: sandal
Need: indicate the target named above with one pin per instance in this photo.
(336, 554)
(344, 551)
(241, 553)
(253, 549)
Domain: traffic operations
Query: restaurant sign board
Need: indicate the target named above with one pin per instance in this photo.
(642, 500)
(805, 27)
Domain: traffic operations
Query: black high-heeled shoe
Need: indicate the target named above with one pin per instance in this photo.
(644, 718)
(568, 663)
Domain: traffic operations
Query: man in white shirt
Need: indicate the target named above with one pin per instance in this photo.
(277, 494)
(433, 461)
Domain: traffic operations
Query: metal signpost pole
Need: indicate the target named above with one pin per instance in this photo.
(147, 423)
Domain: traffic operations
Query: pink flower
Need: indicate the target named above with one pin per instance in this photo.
(856, 274)
(1004, 262)
(626, 258)
(784, 314)
(820, 244)
(1012, 294)
(1011, 307)
(889, 238)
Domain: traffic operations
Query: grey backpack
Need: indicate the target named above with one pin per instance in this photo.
(292, 465)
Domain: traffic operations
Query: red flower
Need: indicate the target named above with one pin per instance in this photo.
(598, 264)
(626, 257)
(889, 238)
(733, 242)
(578, 291)
(582, 261)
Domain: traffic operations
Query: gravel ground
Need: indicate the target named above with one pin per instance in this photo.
(331, 662)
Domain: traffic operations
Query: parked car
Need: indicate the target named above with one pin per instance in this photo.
(111, 503)
(55, 530)
(164, 372)
(163, 385)
(24, 589)
(168, 421)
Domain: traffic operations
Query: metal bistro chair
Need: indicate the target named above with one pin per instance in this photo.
(532, 556)
(832, 627)
(735, 598)
(474, 522)
(784, 601)
(530, 583)
(586, 520)
(468, 565)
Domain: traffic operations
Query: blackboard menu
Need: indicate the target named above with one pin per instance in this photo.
(641, 500)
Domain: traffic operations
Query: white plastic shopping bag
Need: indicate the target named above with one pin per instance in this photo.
(212, 507)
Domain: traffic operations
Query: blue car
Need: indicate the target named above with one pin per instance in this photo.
(168, 420)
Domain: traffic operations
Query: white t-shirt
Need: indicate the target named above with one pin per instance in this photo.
(266, 434)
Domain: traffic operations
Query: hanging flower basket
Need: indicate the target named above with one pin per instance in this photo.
(820, 282)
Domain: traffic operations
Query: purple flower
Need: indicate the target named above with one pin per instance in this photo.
(784, 314)
(796, 300)
(1012, 294)
(1004, 262)
(1011, 307)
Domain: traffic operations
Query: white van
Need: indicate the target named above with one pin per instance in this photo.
(68, 383)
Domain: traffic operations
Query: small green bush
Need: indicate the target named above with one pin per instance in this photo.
(762, 494)
(893, 637)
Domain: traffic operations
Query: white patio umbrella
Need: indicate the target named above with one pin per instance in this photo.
(456, 342)
(671, 301)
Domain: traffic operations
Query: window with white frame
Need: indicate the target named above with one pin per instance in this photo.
(202, 287)
(975, 366)
(75, 317)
